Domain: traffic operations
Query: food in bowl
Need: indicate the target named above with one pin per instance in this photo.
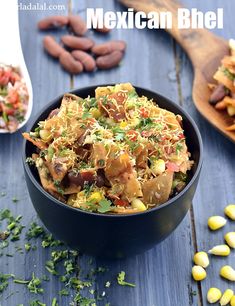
(114, 153)
(14, 98)
(223, 93)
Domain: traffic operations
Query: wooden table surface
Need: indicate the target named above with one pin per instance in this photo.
(163, 274)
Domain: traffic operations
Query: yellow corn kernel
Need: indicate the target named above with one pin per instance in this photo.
(158, 166)
(134, 122)
(227, 272)
(95, 112)
(95, 197)
(45, 135)
(220, 250)
(213, 295)
(123, 124)
(226, 297)
(230, 239)
(198, 273)
(201, 259)
(216, 222)
(232, 301)
(230, 211)
(231, 110)
(138, 204)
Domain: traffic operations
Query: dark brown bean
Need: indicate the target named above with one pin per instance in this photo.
(109, 61)
(218, 94)
(88, 177)
(77, 24)
(53, 22)
(109, 47)
(70, 64)
(52, 47)
(103, 30)
(80, 43)
(86, 59)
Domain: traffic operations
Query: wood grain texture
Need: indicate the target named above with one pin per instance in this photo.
(149, 62)
(48, 81)
(162, 275)
(216, 185)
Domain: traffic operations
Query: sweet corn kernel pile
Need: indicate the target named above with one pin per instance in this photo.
(201, 260)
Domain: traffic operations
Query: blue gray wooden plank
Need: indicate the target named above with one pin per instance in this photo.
(216, 185)
(162, 275)
(48, 81)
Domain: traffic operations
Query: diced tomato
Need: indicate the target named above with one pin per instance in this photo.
(132, 135)
(146, 133)
(181, 136)
(144, 113)
(173, 167)
(13, 97)
(122, 203)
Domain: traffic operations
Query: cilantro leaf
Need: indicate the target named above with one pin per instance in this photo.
(179, 147)
(86, 115)
(121, 280)
(119, 133)
(104, 206)
(132, 94)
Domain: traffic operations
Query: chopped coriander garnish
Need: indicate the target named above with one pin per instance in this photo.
(50, 152)
(21, 281)
(4, 244)
(179, 147)
(132, 94)
(145, 123)
(36, 303)
(104, 206)
(54, 302)
(228, 74)
(121, 280)
(101, 162)
(58, 187)
(119, 134)
(69, 267)
(4, 281)
(34, 231)
(50, 266)
(34, 285)
(86, 115)
(64, 292)
(27, 247)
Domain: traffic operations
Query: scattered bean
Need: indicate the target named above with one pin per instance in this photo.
(218, 94)
(80, 43)
(70, 64)
(86, 59)
(108, 47)
(77, 24)
(53, 22)
(52, 47)
(109, 61)
(103, 30)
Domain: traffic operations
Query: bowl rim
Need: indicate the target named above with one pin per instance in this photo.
(99, 215)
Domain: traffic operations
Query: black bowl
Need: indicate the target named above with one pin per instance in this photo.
(114, 235)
